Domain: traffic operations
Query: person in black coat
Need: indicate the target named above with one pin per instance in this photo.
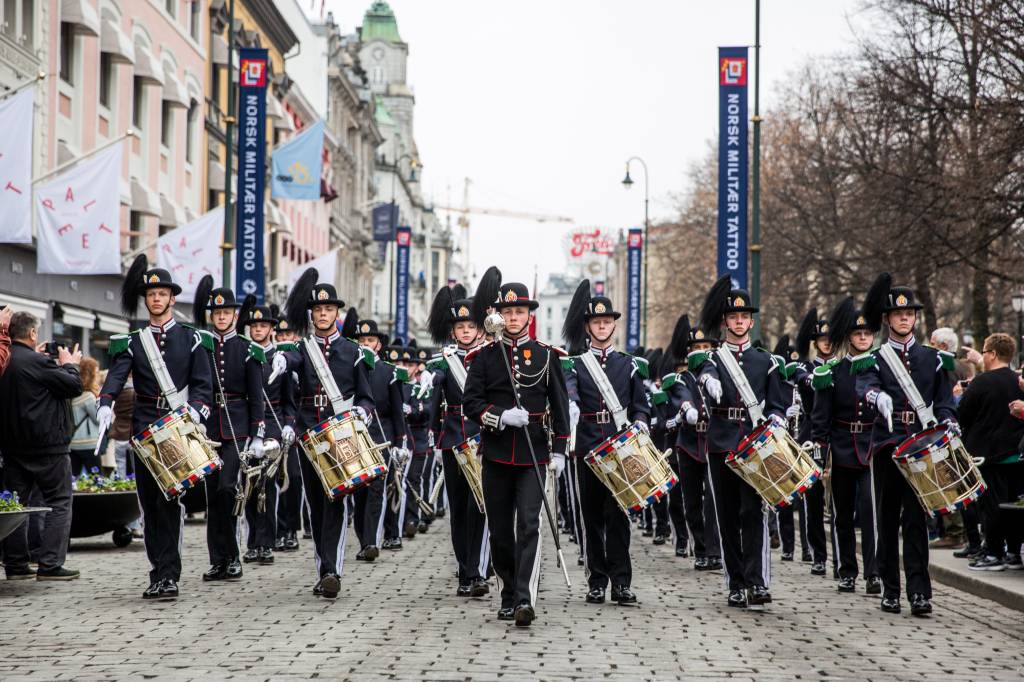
(290, 511)
(991, 432)
(35, 434)
(416, 398)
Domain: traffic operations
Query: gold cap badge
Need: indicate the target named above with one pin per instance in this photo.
(901, 300)
(599, 308)
(218, 299)
(322, 295)
(510, 296)
(394, 355)
(364, 327)
(824, 328)
(463, 312)
(699, 334)
(153, 278)
(258, 315)
(739, 301)
(861, 320)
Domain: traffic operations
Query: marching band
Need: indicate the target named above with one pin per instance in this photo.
(308, 412)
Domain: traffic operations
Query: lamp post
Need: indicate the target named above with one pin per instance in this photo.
(1017, 301)
(755, 212)
(394, 219)
(627, 182)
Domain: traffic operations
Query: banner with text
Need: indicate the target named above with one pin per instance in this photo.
(403, 238)
(384, 219)
(296, 165)
(252, 152)
(191, 251)
(634, 258)
(732, 164)
(16, 168)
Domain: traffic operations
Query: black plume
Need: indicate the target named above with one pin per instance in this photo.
(841, 322)
(486, 294)
(350, 327)
(130, 285)
(458, 292)
(574, 329)
(715, 304)
(202, 301)
(874, 304)
(295, 307)
(806, 332)
(640, 352)
(680, 342)
(782, 347)
(275, 311)
(412, 344)
(245, 312)
(654, 362)
(439, 319)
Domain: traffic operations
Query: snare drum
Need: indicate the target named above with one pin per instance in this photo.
(632, 468)
(940, 470)
(343, 454)
(771, 462)
(175, 450)
(469, 463)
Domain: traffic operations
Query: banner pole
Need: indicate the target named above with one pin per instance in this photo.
(21, 86)
(228, 244)
(78, 159)
(755, 214)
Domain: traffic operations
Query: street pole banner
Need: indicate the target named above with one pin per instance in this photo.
(80, 218)
(384, 219)
(732, 164)
(634, 259)
(252, 151)
(191, 251)
(403, 238)
(297, 164)
(16, 168)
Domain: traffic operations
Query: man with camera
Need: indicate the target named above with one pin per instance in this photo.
(35, 429)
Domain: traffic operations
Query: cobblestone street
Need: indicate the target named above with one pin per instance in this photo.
(398, 618)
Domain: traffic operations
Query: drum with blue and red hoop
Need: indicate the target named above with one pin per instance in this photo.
(940, 470)
(774, 464)
(176, 452)
(632, 468)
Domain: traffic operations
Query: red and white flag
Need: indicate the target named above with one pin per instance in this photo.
(16, 168)
(191, 251)
(79, 218)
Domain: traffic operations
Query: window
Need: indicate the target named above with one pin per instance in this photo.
(191, 121)
(172, 7)
(67, 53)
(106, 79)
(166, 123)
(194, 20)
(164, 229)
(138, 103)
(28, 23)
(10, 27)
(137, 227)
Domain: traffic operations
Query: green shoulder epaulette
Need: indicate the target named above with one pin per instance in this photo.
(947, 361)
(206, 340)
(119, 343)
(659, 397)
(568, 363)
(257, 353)
(369, 357)
(402, 374)
(669, 380)
(437, 362)
(862, 363)
(696, 359)
(286, 346)
(821, 377)
(780, 364)
(641, 366)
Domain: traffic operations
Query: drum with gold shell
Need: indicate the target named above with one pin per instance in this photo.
(770, 461)
(940, 470)
(343, 454)
(632, 468)
(176, 452)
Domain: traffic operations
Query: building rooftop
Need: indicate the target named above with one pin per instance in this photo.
(379, 23)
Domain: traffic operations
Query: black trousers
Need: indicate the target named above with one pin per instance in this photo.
(221, 522)
(470, 540)
(328, 522)
(368, 515)
(674, 504)
(513, 498)
(606, 528)
(51, 474)
(263, 524)
(394, 510)
(289, 506)
(813, 502)
(787, 532)
(742, 527)
(851, 496)
(1002, 528)
(162, 522)
(700, 507)
(414, 481)
(897, 508)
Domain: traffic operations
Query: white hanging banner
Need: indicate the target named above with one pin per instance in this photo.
(16, 167)
(79, 215)
(193, 250)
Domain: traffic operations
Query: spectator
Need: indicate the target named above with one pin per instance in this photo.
(35, 429)
(5, 339)
(944, 338)
(120, 433)
(991, 431)
(83, 413)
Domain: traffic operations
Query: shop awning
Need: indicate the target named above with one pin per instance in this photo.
(114, 42)
(41, 309)
(170, 214)
(111, 324)
(77, 317)
(82, 14)
(147, 67)
(215, 176)
(143, 200)
(174, 92)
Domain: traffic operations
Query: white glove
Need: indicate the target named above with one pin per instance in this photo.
(643, 426)
(557, 463)
(672, 423)
(714, 387)
(288, 434)
(426, 379)
(406, 408)
(402, 455)
(255, 447)
(515, 416)
(777, 421)
(194, 413)
(953, 427)
(279, 365)
(437, 454)
(574, 415)
(883, 403)
(104, 416)
(692, 416)
(792, 411)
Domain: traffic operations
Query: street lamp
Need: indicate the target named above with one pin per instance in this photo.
(1017, 301)
(627, 182)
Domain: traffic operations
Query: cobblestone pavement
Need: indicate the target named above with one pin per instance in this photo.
(398, 618)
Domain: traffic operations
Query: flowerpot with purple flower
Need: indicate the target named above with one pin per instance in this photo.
(13, 514)
(104, 504)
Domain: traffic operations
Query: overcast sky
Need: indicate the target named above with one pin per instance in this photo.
(540, 102)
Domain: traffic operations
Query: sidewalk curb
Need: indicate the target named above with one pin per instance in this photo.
(977, 587)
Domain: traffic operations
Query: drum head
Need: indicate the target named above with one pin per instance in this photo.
(919, 444)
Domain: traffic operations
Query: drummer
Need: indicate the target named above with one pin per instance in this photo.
(416, 404)
(742, 522)
(589, 328)
(896, 504)
(289, 506)
(185, 356)
(319, 302)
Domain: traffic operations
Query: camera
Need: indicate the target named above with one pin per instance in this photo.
(51, 348)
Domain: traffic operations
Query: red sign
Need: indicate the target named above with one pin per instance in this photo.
(732, 71)
(403, 237)
(253, 73)
(594, 241)
(635, 240)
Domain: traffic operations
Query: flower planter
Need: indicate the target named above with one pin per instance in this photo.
(11, 520)
(109, 512)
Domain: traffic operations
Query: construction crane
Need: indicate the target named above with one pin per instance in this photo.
(465, 210)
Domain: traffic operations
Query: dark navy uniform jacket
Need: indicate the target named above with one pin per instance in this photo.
(684, 393)
(842, 419)
(417, 421)
(730, 422)
(281, 394)
(386, 385)
(926, 367)
(540, 386)
(187, 362)
(802, 377)
(626, 374)
(350, 368)
(238, 363)
(447, 419)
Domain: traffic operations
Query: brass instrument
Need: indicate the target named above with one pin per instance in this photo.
(468, 459)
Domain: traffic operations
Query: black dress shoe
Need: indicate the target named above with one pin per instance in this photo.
(758, 595)
(422, 528)
(660, 539)
(806, 557)
(394, 544)
(409, 531)
(368, 553)
(251, 556)
(699, 564)
(168, 590)
(817, 568)
(920, 605)
(20, 573)
(737, 598)
(846, 585)
(464, 591)
(234, 570)
(623, 595)
(216, 572)
(595, 596)
(648, 532)
(279, 545)
(683, 551)
(524, 615)
(787, 556)
(439, 514)
(153, 591)
(967, 552)
(291, 542)
(873, 585)
(506, 613)
(714, 564)
(579, 561)
(891, 604)
(306, 535)
(266, 555)
(479, 588)
(318, 589)
(330, 584)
